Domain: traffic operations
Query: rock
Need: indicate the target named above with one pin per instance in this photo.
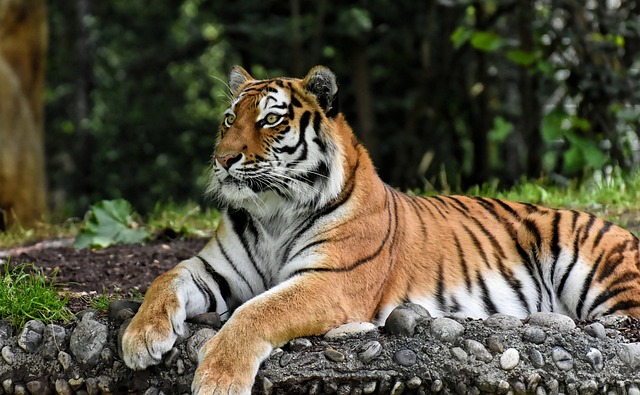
(285, 359)
(404, 319)
(7, 355)
(370, 387)
(459, 354)
(299, 344)
(595, 358)
(414, 382)
(630, 354)
(613, 321)
(63, 388)
(30, 337)
(116, 305)
(509, 359)
(87, 340)
(405, 357)
(370, 351)
(503, 321)
(349, 329)
(495, 344)
(197, 341)
(562, 358)
(596, 330)
(334, 355)
(65, 360)
(478, 350)
(537, 359)
(54, 338)
(211, 319)
(446, 329)
(39, 387)
(558, 322)
(6, 331)
(534, 335)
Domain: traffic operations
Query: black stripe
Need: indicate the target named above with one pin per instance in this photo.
(486, 298)
(563, 280)
(205, 291)
(423, 200)
(555, 241)
(360, 261)
(306, 247)
(462, 207)
(478, 246)
(240, 222)
(585, 234)
(225, 290)
(606, 295)
(601, 233)
(586, 286)
(233, 266)
(415, 207)
(344, 197)
(623, 305)
(463, 262)
(304, 122)
(440, 288)
(611, 265)
(507, 208)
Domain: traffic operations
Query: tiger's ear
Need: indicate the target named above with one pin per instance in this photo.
(321, 82)
(237, 77)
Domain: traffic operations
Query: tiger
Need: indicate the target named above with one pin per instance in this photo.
(311, 238)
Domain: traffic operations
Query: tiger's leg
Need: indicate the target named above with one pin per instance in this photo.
(184, 291)
(305, 305)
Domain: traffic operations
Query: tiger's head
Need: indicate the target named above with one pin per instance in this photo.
(275, 150)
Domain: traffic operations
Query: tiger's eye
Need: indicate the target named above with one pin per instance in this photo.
(230, 119)
(272, 118)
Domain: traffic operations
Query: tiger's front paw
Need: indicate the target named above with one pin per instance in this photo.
(147, 338)
(228, 368)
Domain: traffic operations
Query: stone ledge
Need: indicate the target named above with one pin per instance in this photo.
(413, 354)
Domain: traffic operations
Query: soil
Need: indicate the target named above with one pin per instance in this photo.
(118, 269)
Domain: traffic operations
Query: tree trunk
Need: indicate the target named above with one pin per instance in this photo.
(23, 44)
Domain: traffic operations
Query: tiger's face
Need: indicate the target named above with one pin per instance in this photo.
(274, 151)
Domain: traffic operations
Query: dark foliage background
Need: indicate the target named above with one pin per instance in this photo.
(445, 94)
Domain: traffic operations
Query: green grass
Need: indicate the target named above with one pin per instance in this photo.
(27, 294)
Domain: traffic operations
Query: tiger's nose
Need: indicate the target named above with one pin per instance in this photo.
(226, 159)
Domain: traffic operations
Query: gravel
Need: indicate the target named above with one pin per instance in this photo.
(543, 354)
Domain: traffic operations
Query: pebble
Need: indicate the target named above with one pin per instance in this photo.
(446, 329)
(558, 322)
(65, 360)
(7, 355)
(633, 390)
(54, 337)
(267, 386)
(414, 382)
(503, 321)
(30, 338)
(404, 319)
(459, 354)
(562, 358)
(595, 358)
(349, 329)
(596, 330)
(285, 359)
(62, 387)
(369, 388)
(171, 357)
(315, 388)
(334, 355)
(478, 350)
(180, 366)
(299, 344)
(437, 385)
(7, 385)
(76, 383)
(534, 335)
(210, 318)
(405, 357)
(370, 351)
(87, 340)
(195, 342)
(629, 354)
(20, 389)
(120, 304)
(495, 344)
(589, 387)
(503, 387)
(536, 357)
(509, 359)
(398, 388)
(613, 321)
(38, 387)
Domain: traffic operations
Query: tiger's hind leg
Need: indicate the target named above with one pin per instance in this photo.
(584, 266)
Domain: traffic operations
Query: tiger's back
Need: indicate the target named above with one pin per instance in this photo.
(477, 256)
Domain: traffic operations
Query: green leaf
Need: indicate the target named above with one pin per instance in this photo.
(501, 129)
(460, 36)
(524, 58)
(552, 125)
(110, 222)
(486, 41)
